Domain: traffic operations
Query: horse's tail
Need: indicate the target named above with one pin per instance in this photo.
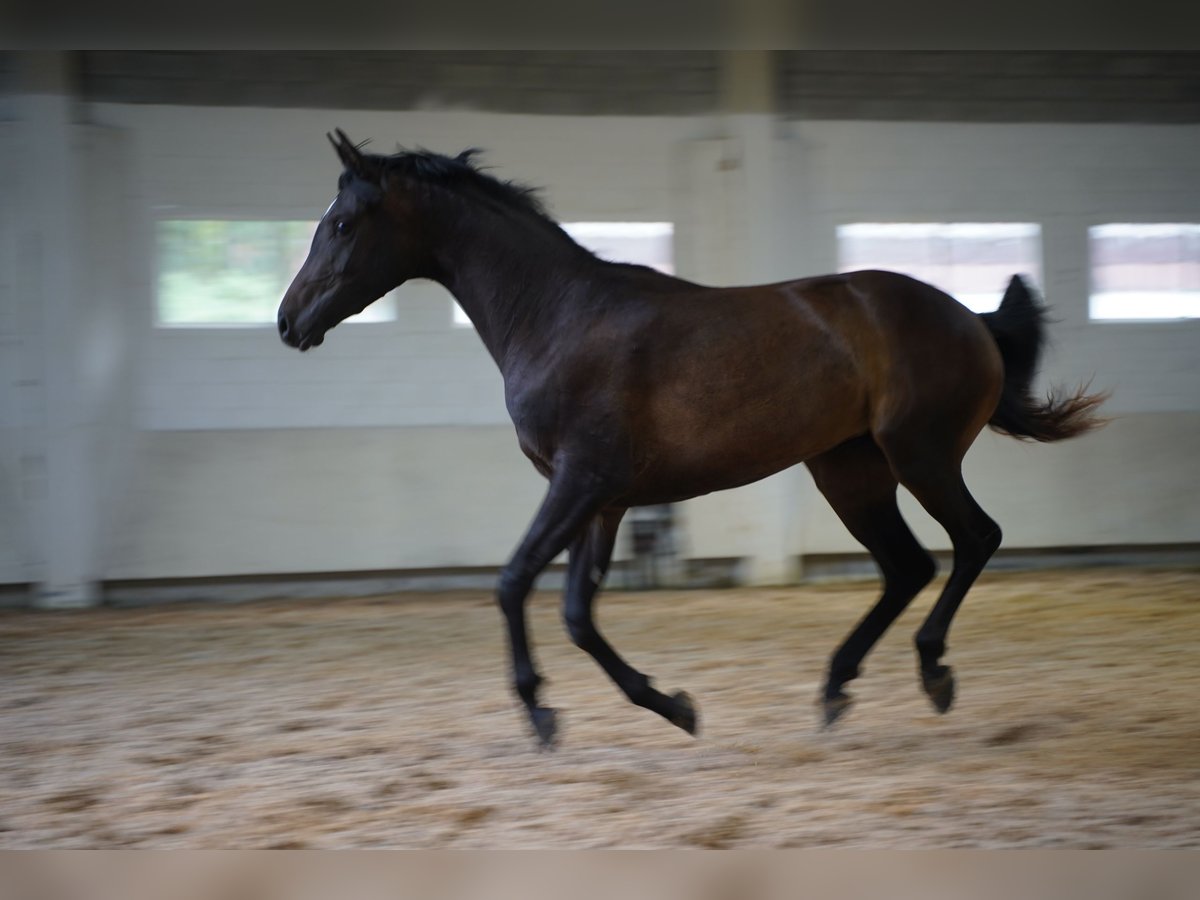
(1019, 329)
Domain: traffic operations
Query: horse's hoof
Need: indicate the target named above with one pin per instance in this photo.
(939, 685)
(684, 714)
(545, 724)
(835, 707)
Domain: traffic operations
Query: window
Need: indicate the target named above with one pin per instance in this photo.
(221, 272)
(970, 261)
(645, 243)
(1145, 271)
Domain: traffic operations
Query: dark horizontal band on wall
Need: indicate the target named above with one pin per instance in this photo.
(1018, 86)
(535, 81)
(479, 581)
(918, 85)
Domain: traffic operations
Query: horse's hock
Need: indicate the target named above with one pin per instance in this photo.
(382, 722)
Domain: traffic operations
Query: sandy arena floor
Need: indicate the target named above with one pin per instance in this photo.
(388, 722)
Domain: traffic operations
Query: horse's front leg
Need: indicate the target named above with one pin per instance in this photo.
(572, 500)
(590, 556)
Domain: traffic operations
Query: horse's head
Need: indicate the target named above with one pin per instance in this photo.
(358, 253)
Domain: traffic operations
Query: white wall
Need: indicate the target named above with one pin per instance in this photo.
(256, 501)
(68, 347)
(390, 448)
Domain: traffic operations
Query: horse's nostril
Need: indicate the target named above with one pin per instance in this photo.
(283, 325)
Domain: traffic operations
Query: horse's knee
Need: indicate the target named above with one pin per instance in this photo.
(917, 572)
(973, 549)
(991, 543)
(512, 588)
(580, 628)
(925, 570)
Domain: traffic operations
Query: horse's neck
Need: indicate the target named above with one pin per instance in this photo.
(510, 278)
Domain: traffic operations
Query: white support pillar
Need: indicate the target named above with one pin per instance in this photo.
(748, 100)
(727, 229)
(62, 486)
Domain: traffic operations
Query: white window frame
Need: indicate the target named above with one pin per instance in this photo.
(977, 302)
(1136, 224)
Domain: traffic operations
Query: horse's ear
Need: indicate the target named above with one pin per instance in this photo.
(349, 154)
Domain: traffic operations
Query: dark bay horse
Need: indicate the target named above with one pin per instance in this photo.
(629, 387)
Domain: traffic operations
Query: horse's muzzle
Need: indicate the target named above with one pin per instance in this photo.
(286, 333)
(293, 336)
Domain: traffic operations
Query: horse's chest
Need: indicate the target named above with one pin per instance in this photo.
(538, 424)
(571, 409)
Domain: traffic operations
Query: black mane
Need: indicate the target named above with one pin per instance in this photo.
(460, 172)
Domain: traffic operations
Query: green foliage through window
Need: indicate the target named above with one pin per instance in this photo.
(221, 272)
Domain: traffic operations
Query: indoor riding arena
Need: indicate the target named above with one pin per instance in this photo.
(252, 597)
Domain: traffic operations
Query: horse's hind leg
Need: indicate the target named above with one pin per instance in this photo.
(589, 559)
(860, 486)
(936, 481)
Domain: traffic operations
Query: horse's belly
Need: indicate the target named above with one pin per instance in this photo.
(699, 455)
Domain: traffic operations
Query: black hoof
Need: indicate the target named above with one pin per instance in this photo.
(939, 685)
(545, 724)
(684, 714)
(835, 707)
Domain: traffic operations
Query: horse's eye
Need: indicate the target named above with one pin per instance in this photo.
(343, 227)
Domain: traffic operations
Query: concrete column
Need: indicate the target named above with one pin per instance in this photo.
(747, 100)
(61, 483)
(747, 81)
